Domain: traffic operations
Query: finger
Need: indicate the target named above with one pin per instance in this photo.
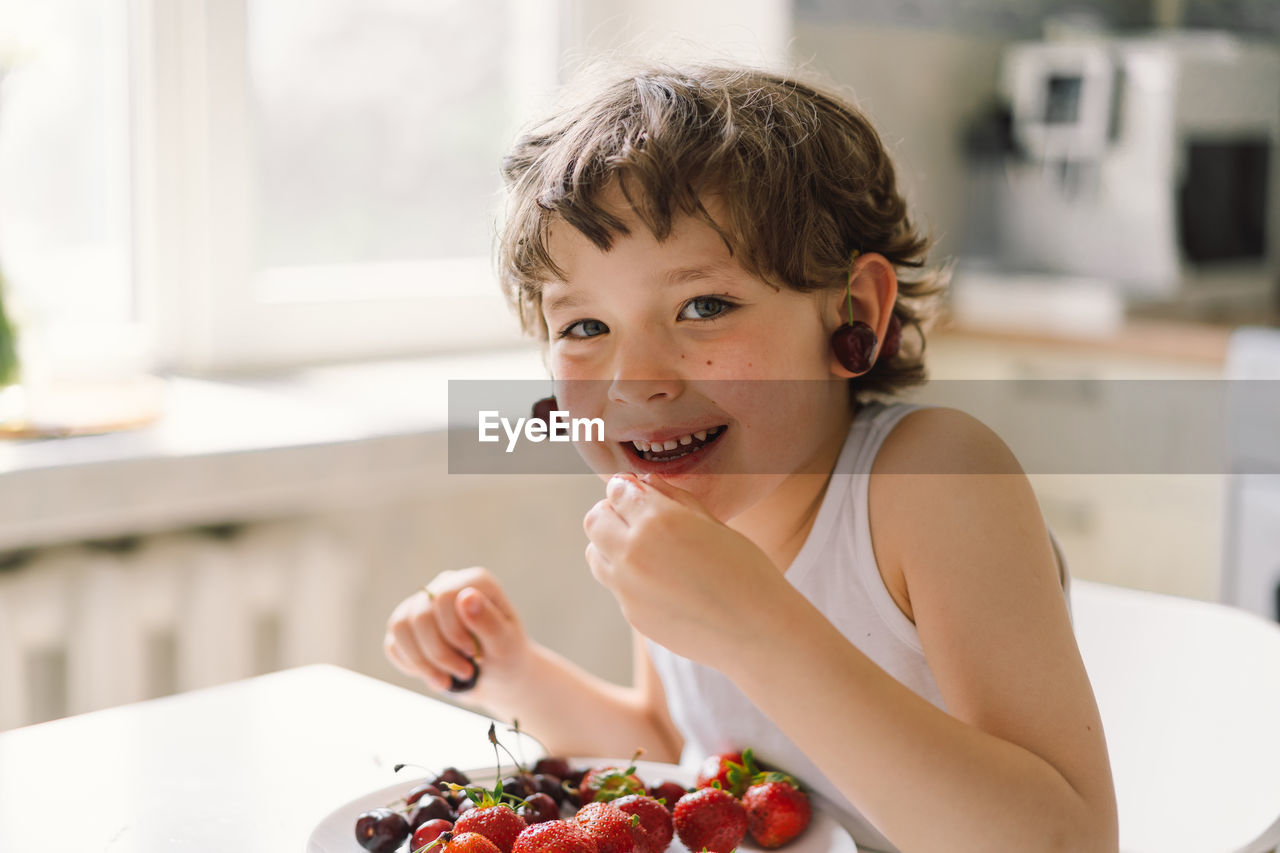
(668, 490)
(450, 625)
(432, 645)
(605, 527)
(625, 494)
(397, 657)
(601, 568)
(488, 628)
(393, 654)
(482, 580)
(406, 647)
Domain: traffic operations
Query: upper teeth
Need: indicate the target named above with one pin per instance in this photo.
(672, 443)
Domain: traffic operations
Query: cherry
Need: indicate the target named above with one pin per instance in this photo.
(550, 785)
(465, 806)
(418, 792)
(460, 685)
(553, 766)
(429, 808)
(450, 775)
(854, 345)
(429, 832)
(381, 830)
(538, 808)
(669, 791)
(892, 339)
(543, 408)
(517, 786)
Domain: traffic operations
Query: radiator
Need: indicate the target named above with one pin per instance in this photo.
(92, 625)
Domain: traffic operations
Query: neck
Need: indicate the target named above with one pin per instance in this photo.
(780, 523)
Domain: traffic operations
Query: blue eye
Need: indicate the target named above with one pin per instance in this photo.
(705, 308)
(584, 329)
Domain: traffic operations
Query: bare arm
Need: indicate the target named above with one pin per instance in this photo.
(576, 713)
(1020, 762)
(433, 635)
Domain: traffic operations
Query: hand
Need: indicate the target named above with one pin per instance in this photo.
(681, 577)
(459, 617)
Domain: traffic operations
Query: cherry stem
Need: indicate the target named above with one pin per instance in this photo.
(493, 739)
(429, 771)
(519, 731)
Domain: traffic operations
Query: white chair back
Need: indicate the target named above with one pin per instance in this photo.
(1189, 693)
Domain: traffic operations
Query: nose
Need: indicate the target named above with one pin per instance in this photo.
(644, 371)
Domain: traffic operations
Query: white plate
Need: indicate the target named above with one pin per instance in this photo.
(337, 832)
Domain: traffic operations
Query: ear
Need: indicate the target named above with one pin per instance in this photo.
(873, 289)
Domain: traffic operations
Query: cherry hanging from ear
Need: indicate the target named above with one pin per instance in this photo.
(892, 339)
(854, 345)
(543, 408)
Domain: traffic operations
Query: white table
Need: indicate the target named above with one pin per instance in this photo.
(245, 767)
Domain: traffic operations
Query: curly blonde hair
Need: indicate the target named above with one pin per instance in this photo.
(805, 182)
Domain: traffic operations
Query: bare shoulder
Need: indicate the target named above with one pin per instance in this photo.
(955, 523)
(940, 440)
(946, 488)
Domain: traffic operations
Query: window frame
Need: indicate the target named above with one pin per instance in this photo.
(208, 309)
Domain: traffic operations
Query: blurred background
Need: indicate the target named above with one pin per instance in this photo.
(244, 245)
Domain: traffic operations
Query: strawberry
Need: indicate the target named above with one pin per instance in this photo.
(614, 830)
(710, 819)
(498, 823)
(715, 768)
(555, 836)
(608, 783)
(777, 810)
(466, 842)
(655, 819)
(732, 771)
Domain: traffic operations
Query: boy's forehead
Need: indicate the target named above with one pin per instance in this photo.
(693, 251)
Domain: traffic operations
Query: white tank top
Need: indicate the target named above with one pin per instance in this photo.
(835, 570)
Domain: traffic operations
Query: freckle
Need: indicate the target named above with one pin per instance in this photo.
(708, 363)
(682, 355)
(748, 364)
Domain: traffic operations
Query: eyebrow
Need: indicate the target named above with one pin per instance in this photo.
(671, 278)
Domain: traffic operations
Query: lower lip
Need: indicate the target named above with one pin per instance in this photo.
(683, 465)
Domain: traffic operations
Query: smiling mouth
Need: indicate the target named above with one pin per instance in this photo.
(675, 448)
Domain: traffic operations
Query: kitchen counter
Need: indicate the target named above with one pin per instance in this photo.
(1200, 343)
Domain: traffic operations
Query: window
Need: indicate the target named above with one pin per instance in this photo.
(264, 183)
(318, 179)
(65, 198)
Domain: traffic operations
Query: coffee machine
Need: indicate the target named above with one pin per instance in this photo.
(1150, 163)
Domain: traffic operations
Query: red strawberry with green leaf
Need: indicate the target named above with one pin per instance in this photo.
(614, 830)
(655, 818)
(777, 810)
(555, 836)
(732, 771)
(465, 842)
(710, 819)
(603, 784)
(498, 823)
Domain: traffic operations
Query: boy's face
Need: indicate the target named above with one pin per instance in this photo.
(670, 341)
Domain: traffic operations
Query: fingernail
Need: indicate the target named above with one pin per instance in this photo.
(619, 482)
(472, 605)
